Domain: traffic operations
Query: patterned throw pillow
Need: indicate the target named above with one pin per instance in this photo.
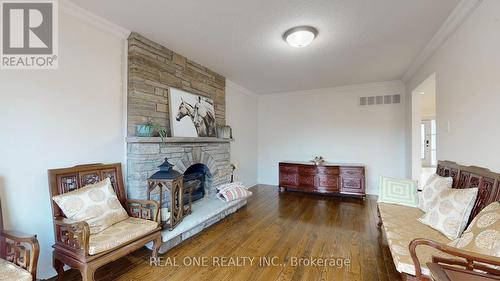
(96, 204)
(398, 191)
(233, 193)
(483, 234)
(451, 211)
(434, 185)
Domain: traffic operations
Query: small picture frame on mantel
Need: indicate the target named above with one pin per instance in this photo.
(224, 132)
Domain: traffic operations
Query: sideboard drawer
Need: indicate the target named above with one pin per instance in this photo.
(307, 170)
(325, 184)
(289, 179)
(353, 172)
(306, 181)
(352, 184)
(288, 168)
(328, 181)
(328, 170)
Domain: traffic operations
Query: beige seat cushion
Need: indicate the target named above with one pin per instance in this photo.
(10, 271)
(96, 204)
(401, 226)
(119, 234)
(483, 234)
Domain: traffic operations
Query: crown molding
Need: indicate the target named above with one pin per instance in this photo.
(390, 86)
(454, 20)
(232, 85)
(72, 9)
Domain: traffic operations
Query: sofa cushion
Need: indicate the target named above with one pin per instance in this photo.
(10, 271)
(431, 189)
(96, 204)
(483, 234)
(398, 191)
(120, 233)
(401, 226)
(450, 213)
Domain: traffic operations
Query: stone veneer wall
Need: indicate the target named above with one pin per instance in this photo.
(144, 158)
(152, 70)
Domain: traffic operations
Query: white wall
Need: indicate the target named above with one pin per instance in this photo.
(241, 115)
(59, 118)
(330, 122)
(467, 68)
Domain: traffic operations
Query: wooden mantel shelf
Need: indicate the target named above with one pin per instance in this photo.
(175, 140)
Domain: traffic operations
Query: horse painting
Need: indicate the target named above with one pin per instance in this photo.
(201, 114)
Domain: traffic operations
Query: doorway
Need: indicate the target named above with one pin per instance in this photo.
(428, 143)
(424, 130)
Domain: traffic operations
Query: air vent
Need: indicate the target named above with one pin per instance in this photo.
(371, 100)
(396, 99)
(378, 100)
(362, 101)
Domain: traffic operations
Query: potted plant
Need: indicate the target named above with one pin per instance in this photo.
(151, 130)
(145, 130)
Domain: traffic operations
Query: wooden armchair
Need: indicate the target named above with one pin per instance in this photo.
(73, 240)
(18, 262)
(468, 261)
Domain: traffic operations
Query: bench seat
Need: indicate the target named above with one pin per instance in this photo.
(401, 226)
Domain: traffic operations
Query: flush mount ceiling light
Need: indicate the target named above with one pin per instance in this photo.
(300, 36)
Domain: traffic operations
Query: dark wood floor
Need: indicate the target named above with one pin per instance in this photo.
(282, 225)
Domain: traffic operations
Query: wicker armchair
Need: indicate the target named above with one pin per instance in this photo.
(17, 261)
(73, 240)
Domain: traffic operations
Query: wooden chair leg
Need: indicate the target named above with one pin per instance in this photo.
(59, 267)
(87, 273)
(156, 247)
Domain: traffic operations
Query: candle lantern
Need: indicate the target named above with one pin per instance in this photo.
(171, 181)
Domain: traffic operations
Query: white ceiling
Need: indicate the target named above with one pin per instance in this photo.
(359, 41)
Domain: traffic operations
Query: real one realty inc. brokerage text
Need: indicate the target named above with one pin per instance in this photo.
(242, 261)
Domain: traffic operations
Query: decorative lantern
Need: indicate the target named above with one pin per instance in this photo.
(171, 180)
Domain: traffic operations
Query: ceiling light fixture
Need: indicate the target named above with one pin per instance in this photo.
(300, 36)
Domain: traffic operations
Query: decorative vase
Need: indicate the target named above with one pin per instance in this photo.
(144, 130)
(318, 160)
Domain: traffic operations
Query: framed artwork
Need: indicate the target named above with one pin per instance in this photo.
(191, 115)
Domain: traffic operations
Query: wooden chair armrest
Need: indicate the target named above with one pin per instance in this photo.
(466, 259)
(72, 235)
(144, 209)
(19, 236)
(12, 249)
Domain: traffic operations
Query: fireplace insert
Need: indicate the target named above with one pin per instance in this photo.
(196, 175)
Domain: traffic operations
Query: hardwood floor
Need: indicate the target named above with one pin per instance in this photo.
(283, 225)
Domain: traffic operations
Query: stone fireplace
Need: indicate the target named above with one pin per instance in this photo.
(152, 71)
(144, 155)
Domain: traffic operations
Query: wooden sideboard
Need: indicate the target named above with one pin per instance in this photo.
(327, 178)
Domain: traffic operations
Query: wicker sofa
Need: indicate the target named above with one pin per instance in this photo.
(404, 232)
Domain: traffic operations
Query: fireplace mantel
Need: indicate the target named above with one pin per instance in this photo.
(175, 140)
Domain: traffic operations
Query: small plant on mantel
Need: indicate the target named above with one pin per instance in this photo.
(150, 129)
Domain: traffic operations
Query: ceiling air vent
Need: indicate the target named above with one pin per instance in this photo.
(377, 100)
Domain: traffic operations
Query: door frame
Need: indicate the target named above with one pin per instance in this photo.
(416, 121)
